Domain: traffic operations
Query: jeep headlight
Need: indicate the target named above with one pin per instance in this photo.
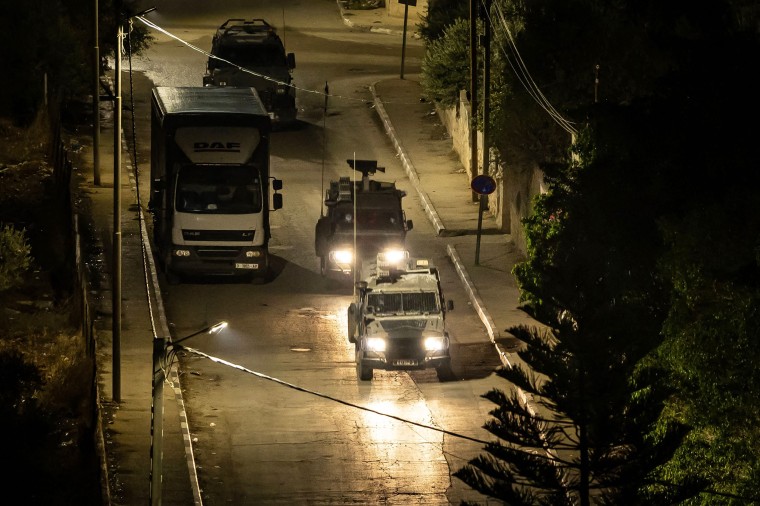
(376, 344)
(342, 256)
(434, 343)
(282, 90)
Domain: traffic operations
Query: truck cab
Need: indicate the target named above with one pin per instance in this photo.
(398, 319)
(250, 53)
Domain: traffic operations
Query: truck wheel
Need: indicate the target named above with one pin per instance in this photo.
(363, 372)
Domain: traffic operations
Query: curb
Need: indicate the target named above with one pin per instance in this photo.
(171, 374)
(411, 172)
(432, 215)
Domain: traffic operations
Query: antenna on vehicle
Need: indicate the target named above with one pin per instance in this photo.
(356, 197)
(324, 142)
(283, 27)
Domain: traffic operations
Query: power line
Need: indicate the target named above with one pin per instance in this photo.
(178, 347)
(243, 69)
(523, 74)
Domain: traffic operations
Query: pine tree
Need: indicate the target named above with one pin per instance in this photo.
(591, 278)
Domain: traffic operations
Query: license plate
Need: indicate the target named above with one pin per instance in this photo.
(405, 362)
(246, 266)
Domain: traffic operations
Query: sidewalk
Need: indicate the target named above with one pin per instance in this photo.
(126, 425)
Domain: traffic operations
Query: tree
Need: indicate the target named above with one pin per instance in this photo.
(445, 66)
(712, 234)
(46, 41)
(15, 256)
(590, 277)
(440, 15)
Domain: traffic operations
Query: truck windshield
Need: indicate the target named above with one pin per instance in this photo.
(214, 189)
(403, 303)
(253, 55)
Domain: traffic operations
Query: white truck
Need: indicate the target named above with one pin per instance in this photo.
(211, 190)
(398, 320)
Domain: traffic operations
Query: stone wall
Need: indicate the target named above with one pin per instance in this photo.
(515, 186)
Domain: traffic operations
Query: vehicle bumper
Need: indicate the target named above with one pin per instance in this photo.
(218, 261)
(389, 362)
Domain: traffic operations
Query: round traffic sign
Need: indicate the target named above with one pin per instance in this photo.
(483, 184)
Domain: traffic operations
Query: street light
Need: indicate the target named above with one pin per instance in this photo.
(163, 349)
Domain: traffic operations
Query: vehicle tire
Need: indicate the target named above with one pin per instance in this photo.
(351, 331)
(363, 372)
(445, 372)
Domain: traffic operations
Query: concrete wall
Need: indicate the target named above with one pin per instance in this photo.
(515, 186)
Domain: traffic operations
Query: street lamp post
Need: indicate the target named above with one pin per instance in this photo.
(116, 276)
(96, 103)
(162, 348)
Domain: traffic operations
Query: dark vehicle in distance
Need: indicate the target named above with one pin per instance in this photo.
(250, 53)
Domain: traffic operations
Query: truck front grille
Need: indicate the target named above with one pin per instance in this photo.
(217, 253)
(218, 235)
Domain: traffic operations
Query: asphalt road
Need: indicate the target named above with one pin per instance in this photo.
(257, 441)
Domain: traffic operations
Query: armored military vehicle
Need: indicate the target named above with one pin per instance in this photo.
(250, 53)
(363, 218)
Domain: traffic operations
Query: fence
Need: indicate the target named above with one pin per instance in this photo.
(83, 304)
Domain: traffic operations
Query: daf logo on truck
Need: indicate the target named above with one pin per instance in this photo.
(217, 147)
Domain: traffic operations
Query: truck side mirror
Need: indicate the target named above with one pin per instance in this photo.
(276, 184)
(291, 57)
(277, 201)
(449, 305)
(409, 225)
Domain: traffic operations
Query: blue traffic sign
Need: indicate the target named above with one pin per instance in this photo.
(483, 184)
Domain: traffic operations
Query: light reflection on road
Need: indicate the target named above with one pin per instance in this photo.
(411, 454)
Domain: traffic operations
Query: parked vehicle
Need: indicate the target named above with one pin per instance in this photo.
(363, 218)
(249, 52)
(398, 320)
(210, 182)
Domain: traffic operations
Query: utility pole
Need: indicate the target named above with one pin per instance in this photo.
(406, 3)
(116, 271)
(486, 87)
(96, 102)
(486, 43)
(474, 92)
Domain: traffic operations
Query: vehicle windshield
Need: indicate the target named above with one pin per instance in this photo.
(402, 303)
(215, 189)
(248, 56)
(369, 218)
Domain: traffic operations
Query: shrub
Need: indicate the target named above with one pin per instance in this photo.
(15, 257)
